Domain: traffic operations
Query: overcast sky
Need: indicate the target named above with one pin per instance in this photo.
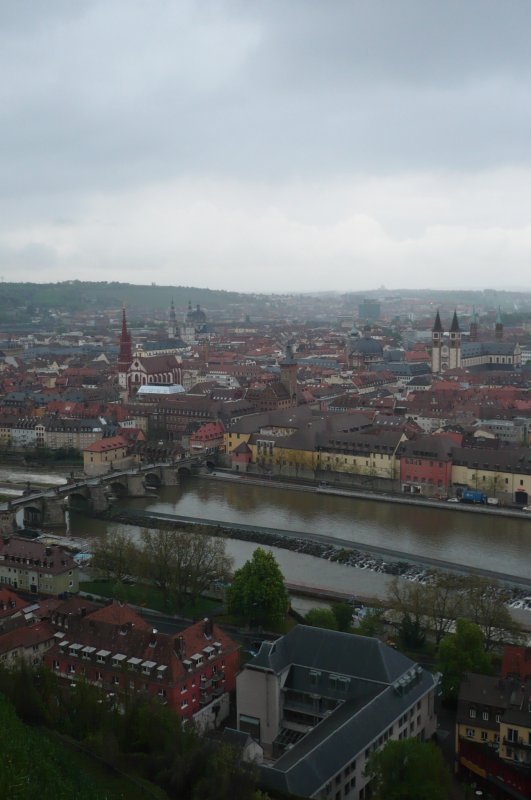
(272, 145)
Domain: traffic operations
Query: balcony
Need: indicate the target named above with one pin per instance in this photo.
(517, 743)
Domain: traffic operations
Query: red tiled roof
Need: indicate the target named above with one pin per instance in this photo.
(26, 637)
(10, 603)
(106, 444)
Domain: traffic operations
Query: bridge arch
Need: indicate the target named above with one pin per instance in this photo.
(33, 515)
(184, 472)
(153, 480)
(117, 488)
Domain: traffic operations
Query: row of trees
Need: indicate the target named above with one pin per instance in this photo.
(182, 564)
(435, 606)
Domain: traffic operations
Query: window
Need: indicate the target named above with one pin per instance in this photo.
(498, 717)
(512, 734)
(470, 732)
(484, 736)
(472, 713)
(485, 715)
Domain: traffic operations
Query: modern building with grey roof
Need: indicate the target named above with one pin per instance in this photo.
(319, 702)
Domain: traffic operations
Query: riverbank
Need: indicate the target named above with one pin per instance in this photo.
(357, 494)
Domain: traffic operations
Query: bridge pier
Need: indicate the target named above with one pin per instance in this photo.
(169, 476)
(98, 499)
(7, 521)
(53, 514)
(136, 486)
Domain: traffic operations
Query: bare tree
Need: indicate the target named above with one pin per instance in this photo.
(443, 602)
(486, 605)
(183, 563)
(116, 556)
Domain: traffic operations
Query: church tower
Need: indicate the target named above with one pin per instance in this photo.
(436, 344)
(172, 323)
(454, 360)
(498, 328)
(125, 354)
(474, 325)
(288, 374)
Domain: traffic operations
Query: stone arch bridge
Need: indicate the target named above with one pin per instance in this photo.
(46, 507)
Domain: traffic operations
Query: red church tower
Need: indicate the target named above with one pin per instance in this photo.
(125, 355)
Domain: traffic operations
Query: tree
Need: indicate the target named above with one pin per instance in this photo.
(321, 618)
(183, 563)
(257, 593)
(116, 556)
(486, 605)
(407, 599)
(372, 623)
(408, 770)
(442, 600)
(343, 614)
(460, 652)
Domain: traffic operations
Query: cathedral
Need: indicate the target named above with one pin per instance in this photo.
(142, 369)
(450, 352)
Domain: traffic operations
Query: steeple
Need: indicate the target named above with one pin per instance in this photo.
(454, 327)
(498, 328)
(474, 325)
(437, 326)
(125, 355)
(172, 325)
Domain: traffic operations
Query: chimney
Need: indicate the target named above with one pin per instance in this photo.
(153, 638)
(207, 627)
(83, 612)
(48, 551)
(7, 539)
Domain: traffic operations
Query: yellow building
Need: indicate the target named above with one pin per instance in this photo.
(503, 473)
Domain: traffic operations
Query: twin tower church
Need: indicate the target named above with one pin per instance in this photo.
(449, 351)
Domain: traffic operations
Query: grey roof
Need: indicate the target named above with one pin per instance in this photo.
(332, 651)
(367, 346)
(339, 738)
(474, 349)
(372, 701)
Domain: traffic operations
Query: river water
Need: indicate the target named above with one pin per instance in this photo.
(492, 543)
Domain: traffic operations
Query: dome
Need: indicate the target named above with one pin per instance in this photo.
(354, 333)
(195, 315)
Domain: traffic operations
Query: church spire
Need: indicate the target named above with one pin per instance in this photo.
(454, 327)
(125, 355)
(498, 328)
(437, 325)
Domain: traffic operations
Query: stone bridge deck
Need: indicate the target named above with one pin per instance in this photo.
(46, 507)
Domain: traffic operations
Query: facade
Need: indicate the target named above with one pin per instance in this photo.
(33, 566)
(446, 351)
(500, 472)
(28, 644)
(320, 702)
(493, 734)
(106, 454)
(426, 464)
(114, 648)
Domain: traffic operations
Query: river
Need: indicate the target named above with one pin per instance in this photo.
(492, 543)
